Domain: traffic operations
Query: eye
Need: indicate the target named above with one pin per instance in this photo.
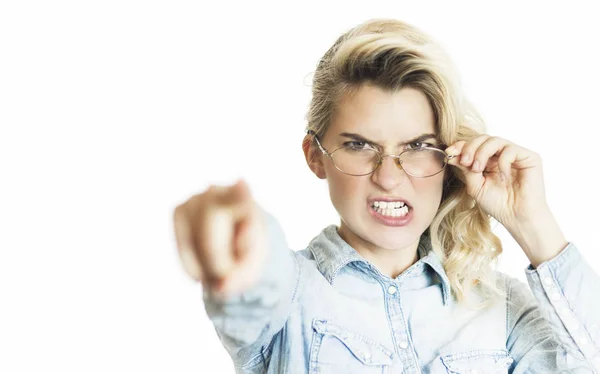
(357, 146)
(417, 145)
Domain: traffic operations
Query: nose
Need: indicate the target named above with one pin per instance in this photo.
(389, 174)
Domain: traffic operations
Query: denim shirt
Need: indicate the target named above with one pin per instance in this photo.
(325, 309)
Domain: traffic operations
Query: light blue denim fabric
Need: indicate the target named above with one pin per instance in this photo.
(327, 310)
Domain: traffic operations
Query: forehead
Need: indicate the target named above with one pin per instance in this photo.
(384, 115)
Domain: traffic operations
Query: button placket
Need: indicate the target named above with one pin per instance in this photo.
(405, 354)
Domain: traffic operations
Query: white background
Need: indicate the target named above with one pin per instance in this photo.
(113, 112)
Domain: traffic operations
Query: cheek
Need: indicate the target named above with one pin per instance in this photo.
(430, 190)
(344, 189)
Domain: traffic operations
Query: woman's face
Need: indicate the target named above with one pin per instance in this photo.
(388, 119)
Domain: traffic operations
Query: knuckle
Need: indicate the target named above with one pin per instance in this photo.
(471, 146)
(477, 141)
(479, 153)
(456, 147)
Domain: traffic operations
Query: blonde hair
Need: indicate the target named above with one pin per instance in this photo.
(391, 54)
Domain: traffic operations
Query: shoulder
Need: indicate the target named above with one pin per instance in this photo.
(305, 254)
(521, 305)
(308, 266)
(307, 263)
(516, 290)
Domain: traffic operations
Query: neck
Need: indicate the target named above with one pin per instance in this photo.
(390, 262)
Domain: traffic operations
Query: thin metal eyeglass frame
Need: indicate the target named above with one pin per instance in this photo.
(380, 158)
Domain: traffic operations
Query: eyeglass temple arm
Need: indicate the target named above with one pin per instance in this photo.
(311, 132)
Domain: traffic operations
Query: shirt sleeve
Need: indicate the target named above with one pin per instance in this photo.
(553, 326)
(247, 322)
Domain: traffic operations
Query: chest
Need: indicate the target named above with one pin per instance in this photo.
(378, 327)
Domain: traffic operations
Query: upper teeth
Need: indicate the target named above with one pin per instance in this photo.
(388, 204)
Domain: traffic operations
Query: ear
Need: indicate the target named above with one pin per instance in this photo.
(313, 156)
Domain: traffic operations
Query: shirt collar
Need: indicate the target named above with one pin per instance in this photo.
(428, 256)
(332, 253)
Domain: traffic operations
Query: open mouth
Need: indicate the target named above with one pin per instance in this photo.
(393, 209)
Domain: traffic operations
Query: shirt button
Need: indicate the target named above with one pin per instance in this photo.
(548, 281)
(392, 290)
(403, 345)
(555, 296)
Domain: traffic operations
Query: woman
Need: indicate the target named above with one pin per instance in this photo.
(406, 283)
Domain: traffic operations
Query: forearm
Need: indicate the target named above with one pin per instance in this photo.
(248, 320)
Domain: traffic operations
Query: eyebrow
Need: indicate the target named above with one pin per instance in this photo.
(361, 138)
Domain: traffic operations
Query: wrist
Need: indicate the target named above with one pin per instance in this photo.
(540, 237)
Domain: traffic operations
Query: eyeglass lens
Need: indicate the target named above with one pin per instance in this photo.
(417, 162)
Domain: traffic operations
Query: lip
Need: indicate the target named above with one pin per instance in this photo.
(390, 221)
(388, 199)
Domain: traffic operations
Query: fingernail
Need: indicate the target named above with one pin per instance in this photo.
(503, 177)
(465, 159)
(476, 166)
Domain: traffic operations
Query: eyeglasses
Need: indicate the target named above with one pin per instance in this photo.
(353, 160)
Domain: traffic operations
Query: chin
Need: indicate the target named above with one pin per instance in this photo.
(388, 237)
(395, 237)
